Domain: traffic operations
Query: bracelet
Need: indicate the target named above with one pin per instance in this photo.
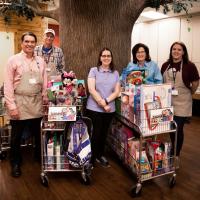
(106, 101)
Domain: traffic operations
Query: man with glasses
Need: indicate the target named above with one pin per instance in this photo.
(52, 55)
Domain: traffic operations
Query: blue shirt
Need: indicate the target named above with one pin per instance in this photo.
(105, 82)
(152, 71)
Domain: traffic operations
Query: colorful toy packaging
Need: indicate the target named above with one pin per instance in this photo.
(63, 90)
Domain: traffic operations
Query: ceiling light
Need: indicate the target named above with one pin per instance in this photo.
(153, 15)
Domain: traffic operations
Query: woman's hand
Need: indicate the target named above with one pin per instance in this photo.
(102, 103)
(107, 108)
(194, 86)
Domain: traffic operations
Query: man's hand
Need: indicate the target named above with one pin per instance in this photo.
(14, 114)
(45, 101)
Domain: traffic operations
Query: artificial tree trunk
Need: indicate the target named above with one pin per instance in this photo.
(86, 26)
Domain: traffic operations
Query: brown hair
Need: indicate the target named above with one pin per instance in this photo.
(28, 33)
(185, 57)
(99, 63)
(135, 50)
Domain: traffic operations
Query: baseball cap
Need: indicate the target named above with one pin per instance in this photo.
(50, 31)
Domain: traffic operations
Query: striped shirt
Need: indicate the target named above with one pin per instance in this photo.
(54, 58)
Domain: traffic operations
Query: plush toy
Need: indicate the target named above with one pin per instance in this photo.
(69, 83)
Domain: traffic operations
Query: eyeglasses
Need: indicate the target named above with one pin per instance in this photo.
(104, 56)
(139, 52)
(49, 36)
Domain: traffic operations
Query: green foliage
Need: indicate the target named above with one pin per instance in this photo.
(179, 6)
(20, 8)
(176, 5)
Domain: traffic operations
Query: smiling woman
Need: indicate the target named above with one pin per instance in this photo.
(106, 59)
(104, 87)
(142, 62)
(184, 77)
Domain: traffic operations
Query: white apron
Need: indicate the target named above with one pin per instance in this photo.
(28, 95)
(182, 102)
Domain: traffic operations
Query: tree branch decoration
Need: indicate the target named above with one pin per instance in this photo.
(176, 5)
(26, 8)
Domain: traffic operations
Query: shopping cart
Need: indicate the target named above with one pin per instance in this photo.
(144, 154)
(54, 142)
(5, 135)
(5, 131)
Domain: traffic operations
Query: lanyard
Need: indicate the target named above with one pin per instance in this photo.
(47, 55)
(174, 71)
(174, 74)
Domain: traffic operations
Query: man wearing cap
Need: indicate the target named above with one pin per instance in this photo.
(52, 55)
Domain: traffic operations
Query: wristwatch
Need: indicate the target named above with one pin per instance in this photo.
(106, 101)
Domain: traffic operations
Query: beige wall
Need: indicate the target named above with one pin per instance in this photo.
(6, 50)
(160, 34)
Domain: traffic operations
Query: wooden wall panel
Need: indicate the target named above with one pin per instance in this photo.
(19, 25)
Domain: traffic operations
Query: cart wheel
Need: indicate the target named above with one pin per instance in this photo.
(85, 178)
(136, 190)
(3, 155)
(44, 180)
(172, 181)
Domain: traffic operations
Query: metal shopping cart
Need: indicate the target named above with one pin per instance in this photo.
(55, 139)
(147, 154)
(5, 136)
(5, 131)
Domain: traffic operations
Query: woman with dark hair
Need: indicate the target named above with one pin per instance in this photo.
(184, 77)
(104, 87)
(142, 61)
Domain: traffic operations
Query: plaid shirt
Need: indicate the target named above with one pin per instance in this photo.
(54, 57)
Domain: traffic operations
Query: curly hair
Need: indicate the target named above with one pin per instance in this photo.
(135, 50)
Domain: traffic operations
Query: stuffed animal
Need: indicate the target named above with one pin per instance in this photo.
(69, 83)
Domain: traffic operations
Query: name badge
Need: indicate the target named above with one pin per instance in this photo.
(48, 69)
(174, 92)
(32, 81)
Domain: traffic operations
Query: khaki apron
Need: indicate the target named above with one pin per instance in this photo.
(51, 70)
(28, 94)
(51, 65)
(182, 102)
